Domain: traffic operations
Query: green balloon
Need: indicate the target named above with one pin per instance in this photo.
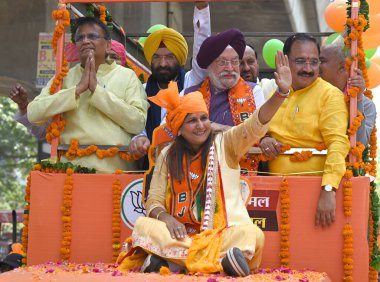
(155, 27)
(370, 52)
(270, 49)
(367, 63)
(331, 38)
(142, 40)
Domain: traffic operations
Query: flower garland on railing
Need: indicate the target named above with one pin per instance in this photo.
(363, 163)
(56, 127)
(66, 215)
(58, 32)
(25, 230)
(116, 220)
(347, 193)
(301, 156)
(285, 226)
(107, 153)
(348, 251)
(296, 157)
(358, 151)
(128, 157)
(355, 124)
(102, 13)
(74, 151)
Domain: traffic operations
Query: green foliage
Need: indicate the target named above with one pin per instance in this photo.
(62, 166)
(18, 151)
(375, 258)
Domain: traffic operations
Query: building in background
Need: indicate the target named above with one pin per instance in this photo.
(23, 21)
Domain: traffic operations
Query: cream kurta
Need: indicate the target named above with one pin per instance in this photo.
(153, 236)
(313, 115)
(111, 115)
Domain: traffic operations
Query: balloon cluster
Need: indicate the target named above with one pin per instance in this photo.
(335, 16)
(152, 29)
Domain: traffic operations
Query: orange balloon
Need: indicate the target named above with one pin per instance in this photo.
(374, 76)
(335, 15)
(374, 6)
(370, 42)
(374, 27)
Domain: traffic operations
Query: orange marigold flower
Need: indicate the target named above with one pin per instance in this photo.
(164, 270)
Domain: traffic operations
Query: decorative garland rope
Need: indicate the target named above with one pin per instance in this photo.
(102, 13)
(66, 215)
(25, 231)
(285, 226)
(57, 126)
(74, 151)
(356, 28)
(116, 219)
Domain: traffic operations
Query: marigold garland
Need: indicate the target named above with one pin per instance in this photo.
(74, 151)
(25, 231)
(102, 13)
(58, 32)
(348, 251)
(116, 220)
(320, 146)
(356, 28)
(355, 124)
(56, 128)
(347, 193)
(66, 215)
(301, 156)
(285, 226)
(128, 157)
(264, 158)
(110, 152)
(297, 156)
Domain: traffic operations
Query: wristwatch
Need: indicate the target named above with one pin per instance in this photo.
(328, 188)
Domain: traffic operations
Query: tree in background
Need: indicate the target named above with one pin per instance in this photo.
(18, 152)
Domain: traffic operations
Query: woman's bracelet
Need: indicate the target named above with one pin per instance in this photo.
(158, 214)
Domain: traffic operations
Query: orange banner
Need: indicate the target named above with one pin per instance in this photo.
(310, 247)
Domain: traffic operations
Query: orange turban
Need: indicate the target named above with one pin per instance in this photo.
(178, 106)
(172, 39)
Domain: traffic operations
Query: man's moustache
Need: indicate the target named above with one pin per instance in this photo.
(228, 73)
(303, 73)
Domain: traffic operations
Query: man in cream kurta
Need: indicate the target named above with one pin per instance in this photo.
(108, 112)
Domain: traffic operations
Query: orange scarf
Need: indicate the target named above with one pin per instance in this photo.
(184, 193)
(242, 106)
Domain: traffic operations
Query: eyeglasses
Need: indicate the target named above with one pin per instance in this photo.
(314, 63)
(159, 58)
(90, 36)
(223, 63)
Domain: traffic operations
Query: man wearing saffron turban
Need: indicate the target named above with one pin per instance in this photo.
(166, 51)
(230, 99)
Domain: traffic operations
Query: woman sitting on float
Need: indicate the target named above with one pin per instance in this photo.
(196, 217)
